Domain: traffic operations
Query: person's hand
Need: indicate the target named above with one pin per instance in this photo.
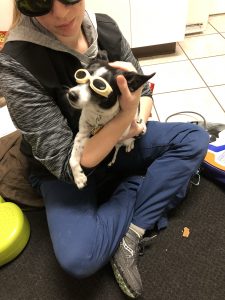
(135, 130)
(128, 101)
(123, 65)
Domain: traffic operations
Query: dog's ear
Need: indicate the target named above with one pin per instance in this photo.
(102, 55)
(135, 80)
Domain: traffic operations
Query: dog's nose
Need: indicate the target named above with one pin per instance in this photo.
(73, 96)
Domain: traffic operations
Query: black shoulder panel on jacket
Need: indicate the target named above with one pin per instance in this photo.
(49, 66)
(109, 36)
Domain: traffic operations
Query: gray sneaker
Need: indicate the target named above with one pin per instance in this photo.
(124, 264)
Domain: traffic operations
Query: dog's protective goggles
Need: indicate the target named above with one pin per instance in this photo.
(98, 84)
(35, 8)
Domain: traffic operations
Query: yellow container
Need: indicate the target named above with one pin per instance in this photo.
(14, 231)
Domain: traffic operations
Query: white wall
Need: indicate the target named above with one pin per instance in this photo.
(6, 8)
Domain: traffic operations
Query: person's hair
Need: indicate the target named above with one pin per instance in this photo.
(16, 15)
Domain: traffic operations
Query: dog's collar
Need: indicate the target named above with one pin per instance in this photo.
(97, 125)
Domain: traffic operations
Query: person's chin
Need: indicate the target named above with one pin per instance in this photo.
(66, 29)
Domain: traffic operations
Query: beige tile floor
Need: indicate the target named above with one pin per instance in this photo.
(193, 78)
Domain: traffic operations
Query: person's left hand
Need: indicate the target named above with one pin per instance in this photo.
(135, 130)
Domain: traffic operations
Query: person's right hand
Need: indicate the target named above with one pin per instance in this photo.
(128, 101)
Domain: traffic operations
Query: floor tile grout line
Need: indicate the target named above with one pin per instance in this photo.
(185, 52)
(181, 90)
(191, 61)
(183, 60)
(216, 99)
(220, 32)
(187, 57)
(204, 57)
(201, 35)
(163, 63)
(207, 85)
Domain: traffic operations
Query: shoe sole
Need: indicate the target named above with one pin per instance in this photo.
(122, 284)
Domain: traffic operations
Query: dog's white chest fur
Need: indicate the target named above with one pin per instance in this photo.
(96, 117)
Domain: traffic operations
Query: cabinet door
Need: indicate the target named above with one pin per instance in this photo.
(217, 7)
(119, 10)
(155, 22)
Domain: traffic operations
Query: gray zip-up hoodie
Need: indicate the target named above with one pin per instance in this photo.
(31, 108)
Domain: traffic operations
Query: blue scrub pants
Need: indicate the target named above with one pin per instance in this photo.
(156, 174)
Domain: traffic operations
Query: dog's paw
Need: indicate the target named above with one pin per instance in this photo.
(144, 128)
(80, 180)
(130, 146)
(111, 163)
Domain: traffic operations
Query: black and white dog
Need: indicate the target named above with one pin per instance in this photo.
(97, 95)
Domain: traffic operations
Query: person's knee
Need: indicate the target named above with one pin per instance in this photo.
(78, 265)
(200, 141)
(196, 141)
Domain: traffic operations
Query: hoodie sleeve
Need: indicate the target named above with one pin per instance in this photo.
(37, 116)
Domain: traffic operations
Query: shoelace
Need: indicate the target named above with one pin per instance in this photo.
(144, 243)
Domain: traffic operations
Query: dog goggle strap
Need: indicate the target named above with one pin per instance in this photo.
(97, 84)
(35, 8)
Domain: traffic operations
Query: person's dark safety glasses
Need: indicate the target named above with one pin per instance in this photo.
(36, 8)
(97, 84)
